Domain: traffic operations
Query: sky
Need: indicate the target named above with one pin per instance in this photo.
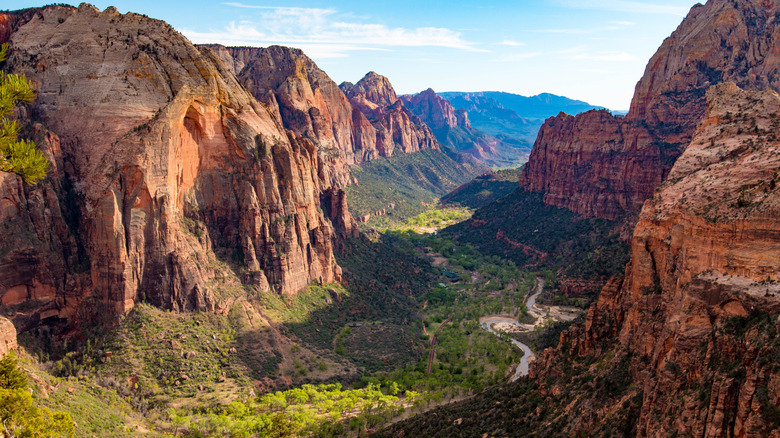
(591, 50)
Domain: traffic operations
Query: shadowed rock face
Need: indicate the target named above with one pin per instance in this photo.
(706, 250)
(396, 126)
(163, 163)
(603, 166)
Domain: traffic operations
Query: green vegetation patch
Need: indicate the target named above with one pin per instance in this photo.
(405, 185)
(521, 228)
(484, 189)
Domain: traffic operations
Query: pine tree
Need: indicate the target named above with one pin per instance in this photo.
(17, 156)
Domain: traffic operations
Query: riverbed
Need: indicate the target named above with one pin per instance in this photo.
(505, 323)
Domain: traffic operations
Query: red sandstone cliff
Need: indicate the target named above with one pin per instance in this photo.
(606, 174)
(164, 165)
(696, 316)
(307, 102)
(396, 126)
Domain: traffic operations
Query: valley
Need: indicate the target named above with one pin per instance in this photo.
(211, 240)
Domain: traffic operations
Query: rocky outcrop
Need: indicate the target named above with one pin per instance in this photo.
(7, 336)
(396, 126)
(452, 127)
(594, 164)
(436, 112)
(307, 102)
(721, 41)
(165, 169)
(696, 315)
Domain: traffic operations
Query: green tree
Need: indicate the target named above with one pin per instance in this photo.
(19, 417)
(11, 377)
(17, 156)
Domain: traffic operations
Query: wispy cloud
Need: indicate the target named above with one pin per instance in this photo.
(634, 7)
(324, 32)
(512, 43)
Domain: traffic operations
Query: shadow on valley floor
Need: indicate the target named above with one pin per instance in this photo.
(371, 319)
(584, 252)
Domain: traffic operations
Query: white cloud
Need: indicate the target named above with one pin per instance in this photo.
(320, 32)
(512, 43)
(634, 7)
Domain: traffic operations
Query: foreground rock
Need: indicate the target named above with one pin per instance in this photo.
(7, 336)
(168, 175)
(696, 316)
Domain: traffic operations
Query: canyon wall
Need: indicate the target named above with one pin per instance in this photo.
(610, 165)
(166, 175)
(307, 102)
(453, 128)
(695, 316)
(396, 126)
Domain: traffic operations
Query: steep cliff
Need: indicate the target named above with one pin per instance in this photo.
(453, 128)
(396, 126)
(164, 167)
(723, 40)
(686, 342)
(307, 102)
(695, 321)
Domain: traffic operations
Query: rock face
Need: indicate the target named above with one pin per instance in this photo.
(307, 102)
(452, 127)
(7, 336)
(396, 126)
(698, 306)
(164, 166)
(612, 173)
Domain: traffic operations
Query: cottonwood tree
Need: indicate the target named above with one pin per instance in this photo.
(17, 156)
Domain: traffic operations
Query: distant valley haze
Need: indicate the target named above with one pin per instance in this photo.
(593, 51)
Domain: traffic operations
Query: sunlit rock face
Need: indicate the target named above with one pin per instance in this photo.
(165, 170)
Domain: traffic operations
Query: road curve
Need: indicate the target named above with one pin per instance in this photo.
(528, 355)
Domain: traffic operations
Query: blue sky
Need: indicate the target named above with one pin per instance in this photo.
(593, 50)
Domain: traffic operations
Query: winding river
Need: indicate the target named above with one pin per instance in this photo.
(487, 323)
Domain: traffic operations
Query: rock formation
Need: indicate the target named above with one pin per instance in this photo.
(452, 127)
(396, 126)
(164, 167)
(696, 315)
(611, 173)
(7, 336)
(306, 101)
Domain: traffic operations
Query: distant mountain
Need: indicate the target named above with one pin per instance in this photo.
(540, 106)
(453, 128)
(511, 118)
